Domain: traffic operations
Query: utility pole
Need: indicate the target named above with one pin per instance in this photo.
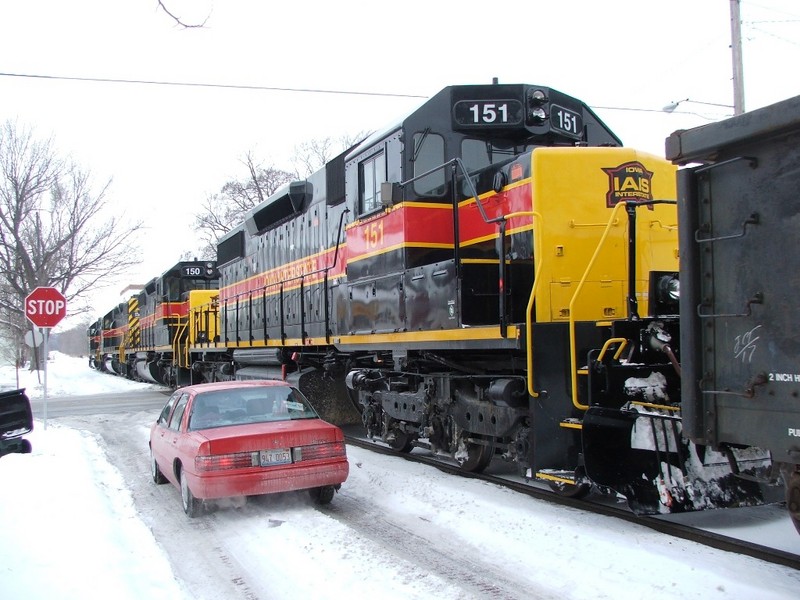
(736, 53)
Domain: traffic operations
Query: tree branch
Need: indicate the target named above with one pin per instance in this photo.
(178, 19)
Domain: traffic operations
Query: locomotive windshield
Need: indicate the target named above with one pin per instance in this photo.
(478, 154)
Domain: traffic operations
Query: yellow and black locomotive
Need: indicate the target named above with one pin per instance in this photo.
(493, 277)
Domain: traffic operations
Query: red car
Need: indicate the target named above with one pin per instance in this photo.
(245, 438)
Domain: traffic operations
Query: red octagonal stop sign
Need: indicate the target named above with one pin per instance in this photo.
(45, 306)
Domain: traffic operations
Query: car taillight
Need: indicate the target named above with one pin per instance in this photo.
(318, 451)
(219, 462)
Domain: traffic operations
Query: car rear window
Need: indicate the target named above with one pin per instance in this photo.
(249, 405)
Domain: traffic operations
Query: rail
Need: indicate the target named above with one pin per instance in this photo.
(595, 504)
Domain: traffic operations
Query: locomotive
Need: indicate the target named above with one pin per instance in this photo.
(494, 276)
(145, 337)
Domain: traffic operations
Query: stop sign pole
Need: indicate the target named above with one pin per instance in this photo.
(45, 307)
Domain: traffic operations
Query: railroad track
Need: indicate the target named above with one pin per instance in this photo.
(595, 503)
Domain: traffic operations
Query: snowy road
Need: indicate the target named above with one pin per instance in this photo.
(207, 553)
(401, 530)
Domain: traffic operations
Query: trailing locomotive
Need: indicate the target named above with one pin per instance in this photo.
(740, 209)
(145, 338)
(494, 276)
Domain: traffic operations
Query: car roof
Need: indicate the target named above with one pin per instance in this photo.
(233, 385)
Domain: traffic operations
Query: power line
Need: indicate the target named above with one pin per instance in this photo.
(259, 88)
(208, 85)
(631, 109)
(773, 35)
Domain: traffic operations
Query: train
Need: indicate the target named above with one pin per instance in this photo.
(495, 276)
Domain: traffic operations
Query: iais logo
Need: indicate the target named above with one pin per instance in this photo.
(629, 181)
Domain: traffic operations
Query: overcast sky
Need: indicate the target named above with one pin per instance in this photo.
(167, 147)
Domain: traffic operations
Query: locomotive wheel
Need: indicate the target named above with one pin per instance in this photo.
(793, 498)
(478, 456)
(566, 490)
(401, 441)
(353, 396)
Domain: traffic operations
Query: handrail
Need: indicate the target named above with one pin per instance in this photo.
(631, 282)
(177, 347)
(538, 260)
(572, 350)
(623, 343)
(325, 270)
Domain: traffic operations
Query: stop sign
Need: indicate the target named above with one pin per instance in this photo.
(45, 306)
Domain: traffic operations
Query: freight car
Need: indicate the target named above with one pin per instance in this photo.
(739, 215)
(494, 276)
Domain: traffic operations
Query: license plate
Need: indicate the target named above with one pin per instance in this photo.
(276, 457)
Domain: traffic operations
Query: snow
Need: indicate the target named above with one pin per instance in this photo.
(72, 529)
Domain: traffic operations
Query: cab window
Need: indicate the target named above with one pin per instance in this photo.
(429, 154)
(479, 154)
(371, 174)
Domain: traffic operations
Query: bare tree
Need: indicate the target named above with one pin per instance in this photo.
(73, 340)
(312, 155)
(222, 211)
(54, 229)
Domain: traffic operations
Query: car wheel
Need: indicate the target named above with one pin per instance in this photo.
(322, 495)
(191, 505)
(155, 472)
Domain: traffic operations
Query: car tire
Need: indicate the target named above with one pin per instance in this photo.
(155, 472)
(191, 505)
(322, 495)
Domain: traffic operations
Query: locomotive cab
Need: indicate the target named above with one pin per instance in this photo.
(422, 247)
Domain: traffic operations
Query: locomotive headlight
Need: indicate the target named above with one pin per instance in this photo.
(664, 292)
(537, 101)
(669, 288)
(538, 97)
(537, 114)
